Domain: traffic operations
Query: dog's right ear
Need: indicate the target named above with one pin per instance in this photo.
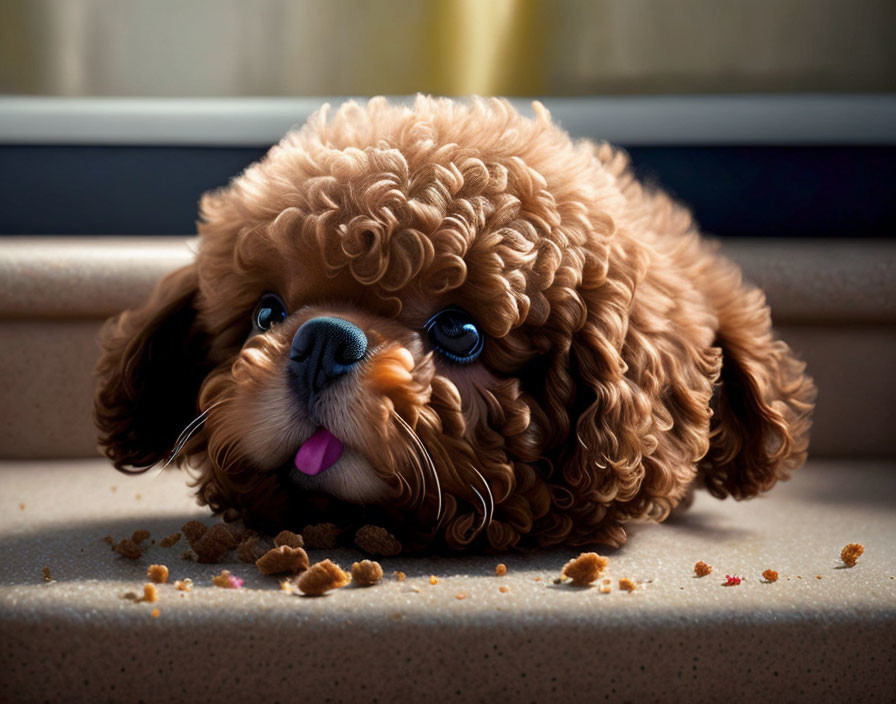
(152, 364)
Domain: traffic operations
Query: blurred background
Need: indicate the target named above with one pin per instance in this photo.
(115, 115)
(190, 48)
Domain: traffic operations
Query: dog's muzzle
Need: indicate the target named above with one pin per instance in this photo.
(323, 350)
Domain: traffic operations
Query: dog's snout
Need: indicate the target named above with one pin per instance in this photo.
(323, 350)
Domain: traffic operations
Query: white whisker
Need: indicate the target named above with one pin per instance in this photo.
(427, 458)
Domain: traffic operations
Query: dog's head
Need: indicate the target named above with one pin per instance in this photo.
(420, 309)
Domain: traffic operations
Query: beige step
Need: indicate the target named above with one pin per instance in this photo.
(820, 633)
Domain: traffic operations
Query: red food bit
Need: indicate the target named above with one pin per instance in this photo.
(235, 582)
(732, 580)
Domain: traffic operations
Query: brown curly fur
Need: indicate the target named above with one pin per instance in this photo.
(624, 358)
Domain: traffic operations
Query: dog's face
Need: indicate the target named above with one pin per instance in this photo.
(419, 309)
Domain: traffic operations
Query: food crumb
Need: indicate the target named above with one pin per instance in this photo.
(366, 573)
(320, 535)
(460, 596)
(503, 589)
(157, 573)
(139, 536)
(155, 613)
(433, 579)
(225, 580)
(108, 539)
(818, 576)
(113, 488)
(701, 569)
(138, 496)
(396, 616)
(585, 568)
(400, 576)
(500, 569)
(193, 531)
(184, 585)
(150, 593)
(851, 553)
(211, 546)
(169, 540)
(251, 549)
(287, 586)
(282, 560)
(606, 587)
(287, 537)
(732, 580)
(627, 584)
(770, 576)
(537, 579)
(47, 576)
(128, 548)
(321, 577)
(21, 507)
(376, 540)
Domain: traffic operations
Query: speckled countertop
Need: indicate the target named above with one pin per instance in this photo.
(821, 632)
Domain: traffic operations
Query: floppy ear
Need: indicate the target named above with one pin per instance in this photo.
(763, 406)
(152, 363)
(642, 406)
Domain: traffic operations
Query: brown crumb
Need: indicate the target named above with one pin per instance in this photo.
(129, 549)
(130, 596)
(193, 531)
(283, 560)
(113, 488)
(606, 587)
(287, 537)
(140, 535)
(818, 576)
(108, 539)
(460, 596)
(396, 616)
(287, 586)
(377, 541)
(537, 579)
(169, 540)
(320, 535)
(184, 585)
(150, 593)
(627, 584)
(157, 573)
(214, 543)
(585, 568)
(851, 553)
(321, 577)
(503, 589)
(251, 549)
(701, 569)
(21, 507)
(225, 580)
(770, 576)
(366, 572)
(155, 613)
(47, 576)
(433, 579)
(138, 496)
(500, 569)
(400, 576)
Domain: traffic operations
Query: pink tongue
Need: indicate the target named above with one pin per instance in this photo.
(319, 452)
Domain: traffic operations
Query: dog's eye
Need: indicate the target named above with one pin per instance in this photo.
(455, 335)
(269, 311)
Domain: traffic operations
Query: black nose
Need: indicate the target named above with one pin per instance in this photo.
(324, 349)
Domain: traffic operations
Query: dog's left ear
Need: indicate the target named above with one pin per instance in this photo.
(640, 410)
(153, 362)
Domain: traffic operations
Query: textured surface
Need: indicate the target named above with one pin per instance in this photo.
(676, 637)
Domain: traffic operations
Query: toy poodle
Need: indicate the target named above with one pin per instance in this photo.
(451, 320)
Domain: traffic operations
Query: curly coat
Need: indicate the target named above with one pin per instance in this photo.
(624, 359)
